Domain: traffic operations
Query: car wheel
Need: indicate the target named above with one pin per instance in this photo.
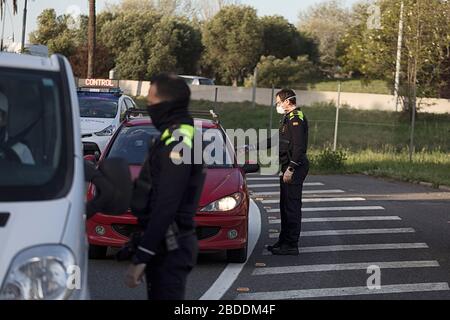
(97, 252)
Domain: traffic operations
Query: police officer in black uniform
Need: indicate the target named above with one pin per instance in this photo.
(168, 248)
(294, 168)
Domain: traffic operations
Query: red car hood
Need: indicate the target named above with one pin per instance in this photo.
(219, 183)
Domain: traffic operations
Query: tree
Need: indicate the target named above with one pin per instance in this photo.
(426, 46)
(282, 39)
(91, 39)
(287, 72)
(145, 43)
(233, 42)
(326, 22)
(53, 32)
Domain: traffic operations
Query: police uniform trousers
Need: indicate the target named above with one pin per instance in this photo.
(167, 274)
(291, 208)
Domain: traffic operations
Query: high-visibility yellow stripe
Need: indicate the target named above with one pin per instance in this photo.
(187, 131)
(296, 113)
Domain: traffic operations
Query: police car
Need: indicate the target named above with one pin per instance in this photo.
(223, 213)
(43, 245)
(102, 109)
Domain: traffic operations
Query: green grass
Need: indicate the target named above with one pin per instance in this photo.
(432, 167)
(355, 86)
(376, 142)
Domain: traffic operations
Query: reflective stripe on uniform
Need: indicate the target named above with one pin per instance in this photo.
(187, 131)
(296, 113)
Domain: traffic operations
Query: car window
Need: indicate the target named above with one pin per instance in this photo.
(189, 81)
(132, 144)
(98, 108)
(129, 103)
(123, 109)
(216, 153)
(33, 144)
(206, 82)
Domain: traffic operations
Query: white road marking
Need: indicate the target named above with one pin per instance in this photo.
(342, 219)
(345, 267)
(323, 209)
(276, 193)
(318, 200)
(340, 292)
(349, 232)
(360, 247)
(232, 270)
(307, 184)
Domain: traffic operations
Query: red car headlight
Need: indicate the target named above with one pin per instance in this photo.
(225, 204)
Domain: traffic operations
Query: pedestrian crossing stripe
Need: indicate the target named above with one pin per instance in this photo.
(359, 247)
(318, 200)
(312, 184)
(341, 292)
(349, 232)
(326, 209)
(277, 193)
(341, 219)
(345, 267)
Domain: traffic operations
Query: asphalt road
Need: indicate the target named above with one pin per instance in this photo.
(349, 224)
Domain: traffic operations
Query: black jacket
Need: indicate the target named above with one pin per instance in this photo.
(294, 140)
(175, 188)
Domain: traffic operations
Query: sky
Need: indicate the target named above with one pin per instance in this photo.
(13, 26)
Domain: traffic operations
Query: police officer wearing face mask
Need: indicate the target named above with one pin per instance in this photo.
(167, 251)
(294, 168)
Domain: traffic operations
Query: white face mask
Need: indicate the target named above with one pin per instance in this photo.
(280, 109)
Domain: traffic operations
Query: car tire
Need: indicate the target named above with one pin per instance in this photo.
(97, 252)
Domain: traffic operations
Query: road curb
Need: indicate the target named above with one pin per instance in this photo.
(426, 184)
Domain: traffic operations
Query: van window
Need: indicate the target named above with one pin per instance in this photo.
(35, 136)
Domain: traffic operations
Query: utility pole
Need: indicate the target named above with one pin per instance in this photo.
(3, 16)
(336, 126)
(414, 106)
(399, 58)
(24, 26)
(91, 39)
(255, 84)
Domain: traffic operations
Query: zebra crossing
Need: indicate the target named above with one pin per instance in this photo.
(341, 240)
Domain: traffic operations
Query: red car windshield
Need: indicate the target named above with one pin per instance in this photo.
(133, 144)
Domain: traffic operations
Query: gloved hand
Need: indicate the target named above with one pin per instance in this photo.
(288, 175)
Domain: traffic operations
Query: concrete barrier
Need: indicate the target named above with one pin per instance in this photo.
(359, 101)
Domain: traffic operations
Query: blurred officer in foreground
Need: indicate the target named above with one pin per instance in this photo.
(167, 251)
(294, 168)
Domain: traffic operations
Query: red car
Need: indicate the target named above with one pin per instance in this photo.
(222, 216)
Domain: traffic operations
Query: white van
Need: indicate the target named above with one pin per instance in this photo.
(43, 245)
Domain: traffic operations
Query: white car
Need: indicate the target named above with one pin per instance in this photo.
(197, 81)
(43, 244)
(102, 110)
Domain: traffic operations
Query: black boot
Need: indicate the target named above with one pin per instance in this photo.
(286, 250)
(275, 246)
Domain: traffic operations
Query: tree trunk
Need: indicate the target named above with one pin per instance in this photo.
(91, 39)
